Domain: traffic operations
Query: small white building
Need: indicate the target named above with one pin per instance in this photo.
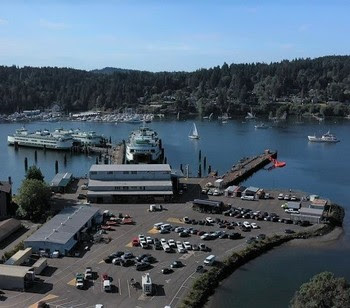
(147, 286)
(252, 191)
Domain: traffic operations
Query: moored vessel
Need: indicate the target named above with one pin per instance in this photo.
(327, 138)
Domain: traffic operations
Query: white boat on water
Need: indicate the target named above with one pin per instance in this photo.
(144, 146)
(250, 115)
(261, 126)
(40, 139)
(194, 132)
(327, 138)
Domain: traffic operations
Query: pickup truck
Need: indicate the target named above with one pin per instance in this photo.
(79, 281)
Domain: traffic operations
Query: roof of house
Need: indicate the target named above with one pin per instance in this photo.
(5, 187)
(61, 179)
(319, 202)
(14, 270)
(62, 227)
(131, 167)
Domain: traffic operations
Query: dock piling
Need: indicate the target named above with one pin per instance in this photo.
(35, 156)
(26, 164)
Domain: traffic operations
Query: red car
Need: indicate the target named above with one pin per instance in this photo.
(135, 242)
(105, 276)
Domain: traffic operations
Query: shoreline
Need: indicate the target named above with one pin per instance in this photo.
(204, 287)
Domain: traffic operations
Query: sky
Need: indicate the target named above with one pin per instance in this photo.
(169, 35)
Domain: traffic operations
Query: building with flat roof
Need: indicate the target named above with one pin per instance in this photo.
(122, 183)
(63, 231)
(60, 182)
(13, 277)
(310, 214)
(19, 257)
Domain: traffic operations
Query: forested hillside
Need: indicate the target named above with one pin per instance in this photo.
(229, 88)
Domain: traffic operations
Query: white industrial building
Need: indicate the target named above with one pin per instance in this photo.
(122, 183)
(15, 277)
(63, 231)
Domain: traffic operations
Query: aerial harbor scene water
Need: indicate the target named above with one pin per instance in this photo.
(151, 163)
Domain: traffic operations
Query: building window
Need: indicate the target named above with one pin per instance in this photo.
(125, 172)
(93, 172)
(109, 172)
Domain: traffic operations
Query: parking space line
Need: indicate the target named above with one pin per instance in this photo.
(120, 289)
(127, 282)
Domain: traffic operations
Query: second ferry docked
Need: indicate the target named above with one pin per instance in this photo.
(144, 146)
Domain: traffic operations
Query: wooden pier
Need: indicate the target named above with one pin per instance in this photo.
(114, 155)
(242, 170)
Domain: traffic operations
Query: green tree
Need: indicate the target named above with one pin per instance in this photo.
(33, 199)
(323, 291)
(34, 173)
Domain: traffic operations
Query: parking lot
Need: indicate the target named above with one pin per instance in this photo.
(58, 286)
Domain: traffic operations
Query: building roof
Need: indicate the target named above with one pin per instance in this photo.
(131, 167)
(8, 226)
(61, 179)
(5, 187)
(319, 202)
(14, 270)
(253, 189)
(293, 204)
(311, 211)
(97, 183)
(128, 193)
(62, 227)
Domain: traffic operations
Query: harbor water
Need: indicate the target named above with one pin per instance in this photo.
(322, 169)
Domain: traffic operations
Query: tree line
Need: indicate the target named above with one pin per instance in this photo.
(229, 89)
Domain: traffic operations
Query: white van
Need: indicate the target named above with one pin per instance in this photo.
(165, 227)
(209, 260)
(158, 225)
(107, 285)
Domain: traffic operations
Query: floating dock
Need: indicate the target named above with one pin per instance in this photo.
(242, 170)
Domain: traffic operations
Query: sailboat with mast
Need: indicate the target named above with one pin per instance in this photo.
(194, 132)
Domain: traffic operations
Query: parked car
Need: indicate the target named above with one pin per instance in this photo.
(149, 240)
(141, 257)
(176, 264)
(166, 271)
(234, 236)
(186, 220)
(254, 225)
(280, 196)
(203, 247)
(172, 243)
(142, 266)
(183, 234)
(187, 245)
(135, 242)
(200, 269)
(128, 255)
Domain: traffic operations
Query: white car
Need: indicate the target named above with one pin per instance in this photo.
(247, 224)
(142, 237)
(163, 241)
(280, 196)
(210, 220)
(166, 248)
(187, 245)
(216, 192)
(254, 225)
(294, 198)
(149, 240)
(181, 249)
(291, 211)
(144, 244)
(172, 243)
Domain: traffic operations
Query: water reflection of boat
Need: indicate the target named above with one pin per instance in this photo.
(327, 138)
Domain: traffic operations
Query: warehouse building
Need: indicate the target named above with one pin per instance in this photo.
(64, 230)
(13, 277)
(8, 226)
(308, 214)
(123, 183)
(19, 257)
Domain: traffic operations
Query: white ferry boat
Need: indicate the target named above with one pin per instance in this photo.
(83, 138)
(40, 139)
(327, 137)
(144, 146)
